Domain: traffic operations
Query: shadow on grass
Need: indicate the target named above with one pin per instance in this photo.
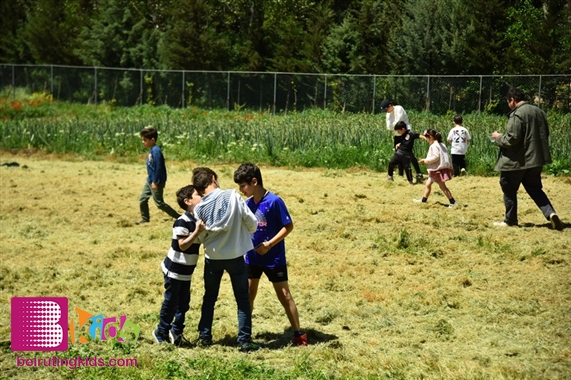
(544, 225)
(276, 341)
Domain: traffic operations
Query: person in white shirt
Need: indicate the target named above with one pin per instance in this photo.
(396, 113)
(459, 137)
(228, 226)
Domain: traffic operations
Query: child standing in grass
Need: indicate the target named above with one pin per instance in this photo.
(403, 154)
(178, 267)
(438, 165)
(459, 137)
(156, 177)
(229, 224)
(268, 256)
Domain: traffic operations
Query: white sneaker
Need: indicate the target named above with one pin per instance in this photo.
(463, 171)
(418, 201)
(452, 205)
(556, 222)
(390, 178)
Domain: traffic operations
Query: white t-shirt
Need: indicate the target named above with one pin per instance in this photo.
(459, 138)
(398, 114)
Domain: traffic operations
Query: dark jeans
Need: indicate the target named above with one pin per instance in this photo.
(213, 271)
(459, 163)
(401, 159)
(175, 305)
(531, 181)
(157, 195)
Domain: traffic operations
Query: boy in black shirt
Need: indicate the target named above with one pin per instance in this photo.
(403, 154)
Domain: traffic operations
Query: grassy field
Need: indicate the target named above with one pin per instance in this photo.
(386, 288)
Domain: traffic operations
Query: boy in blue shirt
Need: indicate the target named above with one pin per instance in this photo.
(268, 255)
(178, 268)
(156, 178)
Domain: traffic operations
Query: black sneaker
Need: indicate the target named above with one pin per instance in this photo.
(556, 222)
(251, 346)
(204, 342)
(160, 338)
(176, 339)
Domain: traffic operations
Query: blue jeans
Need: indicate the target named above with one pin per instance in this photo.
(175, 305)
(213, 271)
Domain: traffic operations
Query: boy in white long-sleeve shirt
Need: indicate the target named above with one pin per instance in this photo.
(438, 166)
(229, 223)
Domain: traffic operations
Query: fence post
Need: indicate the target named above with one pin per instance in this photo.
(374, 92)
(140, 87)
(427, 102)
(52, 79)
(539, 93)
(14, 82)
(95, 91)
(228, 93)
(183, 102)
(480, 96)
(325, 93)
(275, 92)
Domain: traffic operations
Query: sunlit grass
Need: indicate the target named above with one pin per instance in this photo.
(386, 288)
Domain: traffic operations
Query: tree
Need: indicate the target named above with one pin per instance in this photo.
(432, 38)
(196, 38)
(51, 29)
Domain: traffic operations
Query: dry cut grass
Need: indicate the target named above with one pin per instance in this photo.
(386, 288)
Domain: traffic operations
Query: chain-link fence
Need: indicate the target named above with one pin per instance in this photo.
(283, 92)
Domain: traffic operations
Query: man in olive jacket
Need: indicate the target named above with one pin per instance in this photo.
(524, 149)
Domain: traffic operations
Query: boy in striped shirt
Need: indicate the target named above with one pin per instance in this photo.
(178, 267)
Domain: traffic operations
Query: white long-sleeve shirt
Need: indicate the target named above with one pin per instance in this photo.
(229, 224)
(437, 157)
(398, 114)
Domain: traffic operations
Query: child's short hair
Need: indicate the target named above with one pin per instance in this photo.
(202, 178)
(150, 133)
(400, 125)
(184, 193)
(247, 172)
(434, 134)
(458, 119)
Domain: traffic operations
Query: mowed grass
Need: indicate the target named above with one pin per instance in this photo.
(386, 288)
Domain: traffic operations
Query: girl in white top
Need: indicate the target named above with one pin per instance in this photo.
(438, 166)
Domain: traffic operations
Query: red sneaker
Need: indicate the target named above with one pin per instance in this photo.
(300, 340)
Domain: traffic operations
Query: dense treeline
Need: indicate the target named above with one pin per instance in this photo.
(436, 37)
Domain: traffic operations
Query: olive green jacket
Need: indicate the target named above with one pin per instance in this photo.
(525, 143)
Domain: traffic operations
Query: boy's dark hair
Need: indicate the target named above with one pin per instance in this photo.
(400, 125)
(247, 172)
(458, 119)
(434, 134)
(182, 194)
(515, 93)
(202, 178)
(149, 133)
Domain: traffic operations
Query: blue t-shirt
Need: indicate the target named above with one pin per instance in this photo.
(156, 168)
(272, 215)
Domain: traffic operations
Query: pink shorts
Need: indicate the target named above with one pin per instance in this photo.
(440, 176)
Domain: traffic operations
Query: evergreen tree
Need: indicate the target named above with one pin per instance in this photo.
(51, 29)
(195, 38)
